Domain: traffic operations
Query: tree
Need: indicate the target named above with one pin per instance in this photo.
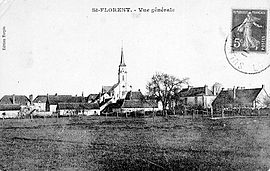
(266, 101)
(164, 86)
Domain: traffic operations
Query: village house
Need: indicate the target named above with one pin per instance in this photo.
(241, 97)
(12, 105)
(196, 96)
(21, 100)
(133, 102)
(9, 110)
(69, 109)
(48, 103)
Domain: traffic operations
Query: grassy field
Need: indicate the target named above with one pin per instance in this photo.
(97, 143)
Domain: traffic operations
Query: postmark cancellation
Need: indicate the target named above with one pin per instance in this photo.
(247, 46)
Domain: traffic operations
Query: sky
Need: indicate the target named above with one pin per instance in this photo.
(63, 47)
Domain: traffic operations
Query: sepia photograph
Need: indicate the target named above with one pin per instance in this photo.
(118, 85)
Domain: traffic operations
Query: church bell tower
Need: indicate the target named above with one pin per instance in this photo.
(122, 76)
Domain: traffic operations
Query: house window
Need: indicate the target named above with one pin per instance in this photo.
(185, 101)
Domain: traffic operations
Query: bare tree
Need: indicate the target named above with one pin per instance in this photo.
(266, 101)
(164, 86)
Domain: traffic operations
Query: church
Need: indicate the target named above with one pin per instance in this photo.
(120, 97)
(110, 94)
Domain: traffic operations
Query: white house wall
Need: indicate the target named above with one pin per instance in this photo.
(209, 101)
(260, 99)
(92, 112)
(205, 101)
(66, 112)
(139, 109)
(9, 113)
(40, 106)
(53, 108)
(191, 100)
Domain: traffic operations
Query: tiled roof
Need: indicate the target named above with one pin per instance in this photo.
(116, 105)
(19, 99)
(134, 95)
(53, 99)
(77, 99)
(40, 99)
(77, 106)
(242, 96)
(139, 104)
(8, 107)
(90, 106)
(194, 91)
(92, 96)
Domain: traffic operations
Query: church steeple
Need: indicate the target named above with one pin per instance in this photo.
(122, 62)
(122, 76)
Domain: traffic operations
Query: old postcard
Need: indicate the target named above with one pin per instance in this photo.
(134, 85)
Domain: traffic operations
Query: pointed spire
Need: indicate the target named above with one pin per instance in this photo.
(122, 62)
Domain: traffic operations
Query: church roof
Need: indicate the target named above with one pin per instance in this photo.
(106, 89)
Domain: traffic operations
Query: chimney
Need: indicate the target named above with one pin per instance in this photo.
(214, 91)
(31, 98)
(47, 106)
(189, 87)
(263, 86)
(13, 99)
(234, 92)
(55, 94)
(82, 94)
(206, 90)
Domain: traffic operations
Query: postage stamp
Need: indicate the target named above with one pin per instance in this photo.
(249, 29)
(247, 45)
